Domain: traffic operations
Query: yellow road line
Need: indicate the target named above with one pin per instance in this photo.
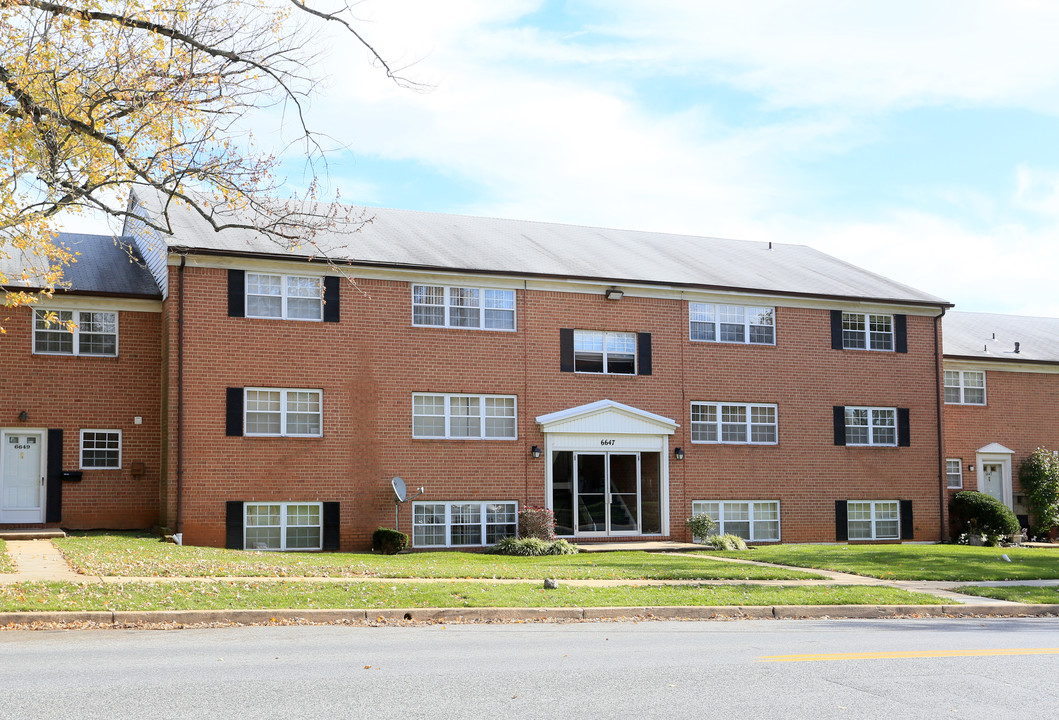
(908, 654)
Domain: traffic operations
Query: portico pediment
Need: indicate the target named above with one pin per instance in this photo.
(995, 449)
(606, 417)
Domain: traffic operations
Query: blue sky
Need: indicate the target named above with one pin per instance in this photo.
(916, 139)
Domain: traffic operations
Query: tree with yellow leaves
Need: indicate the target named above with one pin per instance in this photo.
(103, 97)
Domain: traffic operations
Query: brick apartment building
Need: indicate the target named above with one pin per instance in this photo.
(248, 396)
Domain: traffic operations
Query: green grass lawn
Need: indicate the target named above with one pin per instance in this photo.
(6, 565)
(279, 594)
(1016, 593)
(136, 555)
(914, 562)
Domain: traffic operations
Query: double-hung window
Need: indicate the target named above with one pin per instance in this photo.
(283, 412)
(100, 449)
(871, 426)
(753, 520)
(465, 417)
(873, 519)
(965, 387)
(733, 423)
(732, 324)
(94, 332)
(463, 307)
(289, 297)
(953, 473)
(462, 524)
(865, 331)
(611, 353)
(282, 526)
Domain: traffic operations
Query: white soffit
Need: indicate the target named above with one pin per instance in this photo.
(995, 449)
(606, 417)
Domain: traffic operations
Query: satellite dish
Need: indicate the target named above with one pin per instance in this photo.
(399, 489)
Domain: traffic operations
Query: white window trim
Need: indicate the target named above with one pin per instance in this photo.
(867, 316)
(448, 417)
(750, 519)
(283, 526)
(874, 520)
(81, 452)
(76, 314)
(606, 354)
(749, 424)
(448, 519)
(948, 475)
(963, 386)
(283, 412)
(871, 427)
(447, 291)
(283, 295)
(746, 324)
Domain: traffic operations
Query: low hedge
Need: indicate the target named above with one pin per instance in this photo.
(977, 513)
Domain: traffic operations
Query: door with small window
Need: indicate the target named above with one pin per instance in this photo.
(21, 477)
(993, 481)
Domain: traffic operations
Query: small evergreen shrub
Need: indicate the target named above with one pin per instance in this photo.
(532, 547)
(727, 541)
(980, 514)
(1039, 475)
(701, 526)
(388, 541)
(536, 522)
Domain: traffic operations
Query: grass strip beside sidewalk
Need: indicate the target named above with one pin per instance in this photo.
(279, 594)
(137, 555)
(7, 565)
(1016, 593)
(914, 562)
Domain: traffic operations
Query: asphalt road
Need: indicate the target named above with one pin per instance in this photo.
(739, 669)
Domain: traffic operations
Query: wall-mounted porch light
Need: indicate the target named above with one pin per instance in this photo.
(679, 453)
(613, 294)
(23, 416)
(535, 451)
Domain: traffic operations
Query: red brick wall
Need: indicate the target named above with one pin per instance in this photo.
(1021, 413)
(74, 393)
(370, 364)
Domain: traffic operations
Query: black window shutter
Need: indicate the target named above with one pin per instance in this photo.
(331, 299)
(836, 329)
(566, 349)
(901, 333)
(839, 412)
(841, 521)
(907, 528)
(236, 293)
(643, 352)
(904, 438)
(54, 512)
(233, 525)
(233, 413)
(331, 526)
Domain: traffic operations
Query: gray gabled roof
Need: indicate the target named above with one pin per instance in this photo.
(424, 240)
(990, 336)
(103, 265)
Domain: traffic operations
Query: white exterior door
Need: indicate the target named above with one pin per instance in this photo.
(993, 481)
(21, 476)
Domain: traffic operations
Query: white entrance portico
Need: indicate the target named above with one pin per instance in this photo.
(607, 470)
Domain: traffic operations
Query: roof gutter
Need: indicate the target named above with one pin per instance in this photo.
(585, 278)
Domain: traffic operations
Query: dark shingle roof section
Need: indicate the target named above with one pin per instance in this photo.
(106, 265)
(424, 240)
(989, 336)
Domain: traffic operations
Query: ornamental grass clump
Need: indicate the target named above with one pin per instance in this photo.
(532, 547)
(728, 541)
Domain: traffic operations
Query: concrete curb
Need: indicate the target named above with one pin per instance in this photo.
(471, 615)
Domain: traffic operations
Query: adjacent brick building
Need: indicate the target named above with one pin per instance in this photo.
(623, 379)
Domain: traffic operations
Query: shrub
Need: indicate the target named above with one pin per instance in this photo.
(388, 542)
(532, 547)
(536, 522)
(1039, 475)
(978, 513)
(727, 541)
(701, 526)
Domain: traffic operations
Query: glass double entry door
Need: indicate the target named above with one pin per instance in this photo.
(612, 493)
